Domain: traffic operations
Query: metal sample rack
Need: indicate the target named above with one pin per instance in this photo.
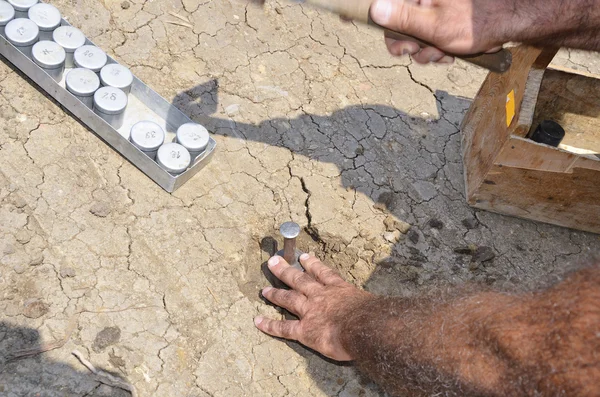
(144, 104)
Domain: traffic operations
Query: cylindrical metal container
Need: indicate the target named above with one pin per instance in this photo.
(83, 83)
(46, 17)
(23, 34)
(173, 158)
(51, 57)
(117, 76)
(110, 104)
(194, 137)
(90, 57)
(7, 14)
(70, 39)
(22, 7)
(148, 137)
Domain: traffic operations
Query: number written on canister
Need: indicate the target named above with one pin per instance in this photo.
(112, 96)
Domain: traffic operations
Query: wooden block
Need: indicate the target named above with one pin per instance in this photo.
(565, 199)
(512, 175)
(488, 113)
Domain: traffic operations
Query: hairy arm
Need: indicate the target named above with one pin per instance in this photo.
(484, 343)
(468, 342)
(475, 26)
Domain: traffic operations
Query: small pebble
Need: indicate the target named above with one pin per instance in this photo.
(392, 224)
(19, 269)
(35, 309)
(483, 254)
(385, 201)
(67, 272)
(463, 250)
(336, 247)
(389, 223)
(413, 236)
(390, 237)
(470, 223)
(380, 206)
(100, 209)
(107, 337)
(8, 249)
(23, 236)
(36, 259)
(125, 5)
(19, 202)
(370, 246)
(436, 224)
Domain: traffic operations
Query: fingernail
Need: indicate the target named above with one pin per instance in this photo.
(381, 11)
(273, 261)
(400, 51)
(266, 289)
(304, 257)
(447, 60)
(258, 320)
(435, 58)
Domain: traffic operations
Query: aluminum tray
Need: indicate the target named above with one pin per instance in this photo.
(144, 104)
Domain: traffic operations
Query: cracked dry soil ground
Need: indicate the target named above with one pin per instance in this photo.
(315, 123)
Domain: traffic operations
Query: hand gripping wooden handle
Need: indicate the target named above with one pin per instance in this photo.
(498, 62)
(359, 10)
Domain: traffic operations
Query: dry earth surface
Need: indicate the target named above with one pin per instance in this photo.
(315, 123)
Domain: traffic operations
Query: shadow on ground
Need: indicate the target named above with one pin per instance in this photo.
(35, 375)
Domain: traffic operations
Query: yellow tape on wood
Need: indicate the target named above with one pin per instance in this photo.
(510, 107)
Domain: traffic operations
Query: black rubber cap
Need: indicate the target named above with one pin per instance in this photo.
(548, 132)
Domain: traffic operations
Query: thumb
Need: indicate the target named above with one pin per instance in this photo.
(404, 16)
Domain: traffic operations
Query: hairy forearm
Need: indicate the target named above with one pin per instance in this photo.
(483, 342)
(555, 23)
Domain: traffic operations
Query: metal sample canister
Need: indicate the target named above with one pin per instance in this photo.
(23, 34)
(7, 14)
(90, 57)
(148, 137)
(194, 137)
(110, 104)
(22, 7)
(51, 57)
(173, 158)
(46, 17)
(83, 83)
(117, 76)
(70, 39)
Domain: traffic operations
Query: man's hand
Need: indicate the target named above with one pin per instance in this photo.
(320, 298)
(453, 26)
(477, 26)
(471, 342)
